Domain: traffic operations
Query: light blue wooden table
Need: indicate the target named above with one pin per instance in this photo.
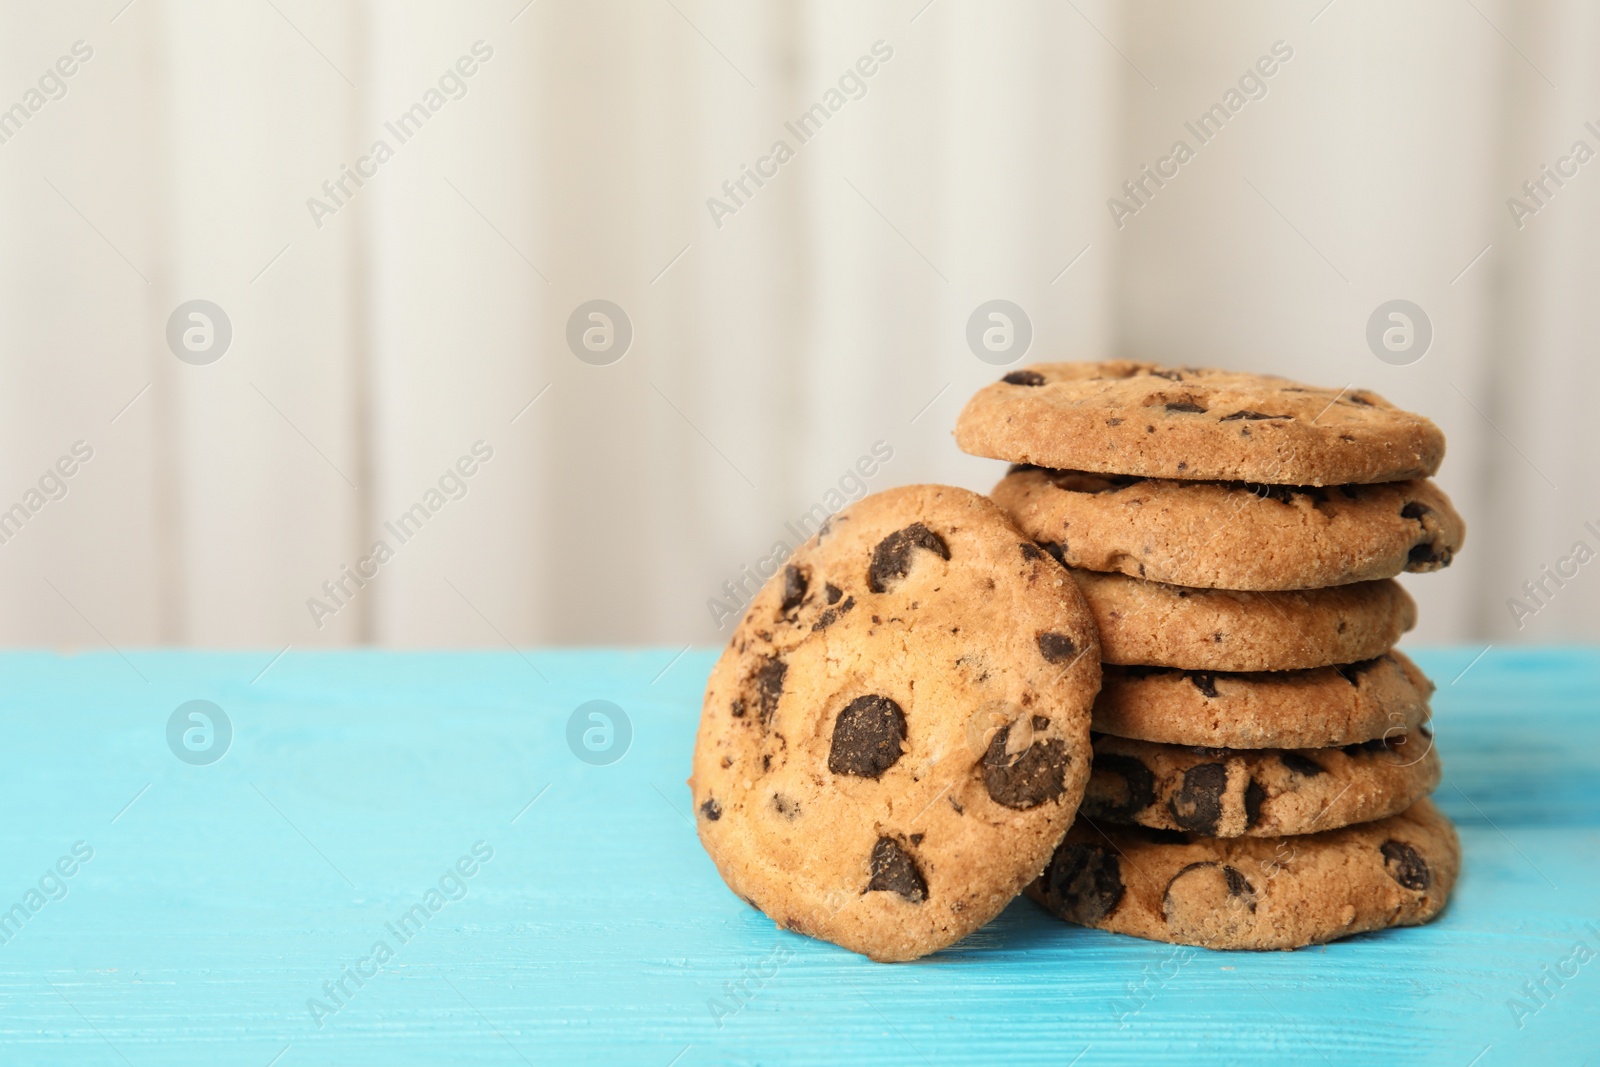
(574, 917)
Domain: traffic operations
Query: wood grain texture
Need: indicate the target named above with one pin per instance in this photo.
(224, 897)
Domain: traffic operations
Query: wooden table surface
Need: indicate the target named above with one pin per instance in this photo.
(400, 859)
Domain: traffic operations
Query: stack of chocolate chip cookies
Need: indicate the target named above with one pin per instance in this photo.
(1261, 752)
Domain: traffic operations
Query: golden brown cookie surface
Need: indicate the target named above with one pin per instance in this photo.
(1218, 535)
(1258, 792)
(1159, 625)
(1255, 892)
(1123, 417)
(897, 734)
(1317, 708)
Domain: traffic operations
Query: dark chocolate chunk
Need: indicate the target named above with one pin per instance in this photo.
(1083, 883)
(867, 737)
(1057, 648)
(831, 615)
(736, 708)
(1357, 398)
(1187, 406)
(833, 592)
(1197, 807)
(1031, 551)
(1428, 552)
(891, 560)
(769, 687)
(711, 809)
(1024, 377)
(1253, 416)
(1375, 745)
(1301, 765)
(1405, 865)
(794, 588)
(1027, 780)
(1205, 681)
(894, 871)
(1253, 796)
(1239, 886)
(1139, 787)
(1056, 549)
(1414, 510)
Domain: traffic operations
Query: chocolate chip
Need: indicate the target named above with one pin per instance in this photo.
(789, 809)
(833, 592)
(1205, 681)
(1031, 551)
(1197, 807)
(1188, 407)
(831, 615)
(1253, 796)
(794, 588)
(1414, 510)
(1377, 744)
(1056, 549)
(1427, 553)
(1113, 422)
(1239, 886)
(711, 809)
(1057, 648)
(1024, 377)
(1405, 865)
(1139, 787)
(1169, 375)
(916, 839)
(867, 737)
(1301, 765)
(1253, 416)
(1025, 781)
(894, 871)
(769, 687)
(891, 560)
(736, 708)
(1357, 398)
(1083, 883)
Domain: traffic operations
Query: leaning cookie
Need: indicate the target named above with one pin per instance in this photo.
(897, 735)
(1318, 708)
(1140, 418)
(1218, 535)
(1253, 892)
(1261, 792)
(1151, 623)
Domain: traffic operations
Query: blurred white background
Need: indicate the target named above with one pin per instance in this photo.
(374, 342)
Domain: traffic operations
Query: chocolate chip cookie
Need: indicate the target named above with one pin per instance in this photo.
(897, 735)
(1121, 417)
(1152, 623)
(1260, 792)
(1254, 892)
(1219, 535)
(1318, 708)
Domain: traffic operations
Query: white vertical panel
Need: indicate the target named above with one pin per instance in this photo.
(1545, 491)
(457, 305)
(263, 445)
(80, 257)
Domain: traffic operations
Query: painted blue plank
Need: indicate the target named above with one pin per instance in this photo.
(220, 898)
